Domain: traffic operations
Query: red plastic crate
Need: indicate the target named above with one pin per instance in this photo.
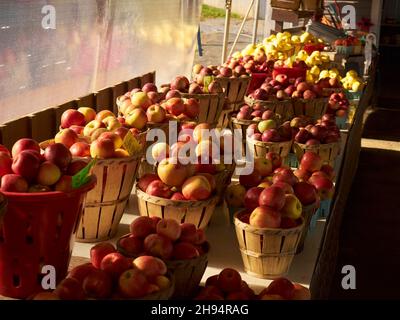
(37, 229)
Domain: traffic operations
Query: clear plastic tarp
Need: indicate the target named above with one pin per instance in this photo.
(55, 51)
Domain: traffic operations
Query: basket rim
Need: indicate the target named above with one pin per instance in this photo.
(239, 224)
(262, 143)
(254, 101)
(242, 78)
(314, 147)
(244, 122)
(52, 195)
(187, 203)
(202, 95)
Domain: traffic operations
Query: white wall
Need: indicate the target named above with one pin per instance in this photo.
(239, 6)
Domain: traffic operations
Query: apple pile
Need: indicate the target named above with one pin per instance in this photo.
(257, 112)
(178, 182)
(227, 285)
(110, 275)
(257, 63)
(284, 289)
(284, 88)
(323, 131)
(273, 195)
(101, 135)
(163, 238)
(164, 106)
(313, 172)
(25, 169)
(338, 104)
(182, 84)
(224, 71)
(268, 131)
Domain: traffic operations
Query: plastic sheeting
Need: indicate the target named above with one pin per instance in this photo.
(95, 44)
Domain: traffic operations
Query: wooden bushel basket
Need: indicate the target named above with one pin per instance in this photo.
(105, 204)
(314, 108)
(284, 108)
(197, 212)
(327, 151)
(262, 148)
(266, 253)
(224, 120)
(235, 89)
(211, 105)
(307, 214)
(188, 274)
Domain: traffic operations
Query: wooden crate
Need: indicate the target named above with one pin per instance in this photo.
(266, 253)
(106, 203)
(197, 212)
(327, 151)
(211, 105)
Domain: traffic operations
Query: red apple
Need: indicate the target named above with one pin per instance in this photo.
(67, 137)
(229, 280)
(80, 149)
(188, 232)
(5, 163)
(272, 197)
(70, 289)
(99, 251)
(177, 196)
(251, 180)
(26, 164)
(13, 183)
(282, 287)
(159, 189)
(58, 154)
(305, 192)
(114, 264)
(311, 162)
(285, 175)
(102, 149)
(184, 251)
(169, 228)
(150, 266)
(196, 188)
(75, 166)
(328, 170)
(324, 186)
(142, 226)
(72, 117)
(24, 144)
(192, 108)
(251, 198)
(158, 246)
(265, 217)
(80, 272)
(133, 283)
(287, 188)
(145, 180)
(97, 285)
(132, 245)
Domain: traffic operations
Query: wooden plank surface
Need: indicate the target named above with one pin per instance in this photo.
(43, 124)
(104, 99)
